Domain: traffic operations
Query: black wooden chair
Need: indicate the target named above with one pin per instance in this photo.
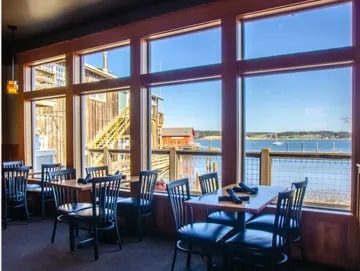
(65, 198)
(141, 204)
(45, 190)
(262, 248)
(14, 186)
(19, 163)
(203, 234)
(209, 183)
(95, 172)
(102, 216)
(266, 222)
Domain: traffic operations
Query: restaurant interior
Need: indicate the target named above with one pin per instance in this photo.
(180, 135)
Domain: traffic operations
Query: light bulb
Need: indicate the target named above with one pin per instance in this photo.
(12, 87)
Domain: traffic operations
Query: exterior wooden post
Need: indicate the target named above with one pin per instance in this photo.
(106, 155)
(173, 164)
(265, 167)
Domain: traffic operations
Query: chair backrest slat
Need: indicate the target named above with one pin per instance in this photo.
(99, 171)
(209, 183)
(300, 189)
(63, 195)
(146, 188)
(179, 191)
(14, 180)
(12, 164)
(45, 169)
(282, 217)
(104, 195)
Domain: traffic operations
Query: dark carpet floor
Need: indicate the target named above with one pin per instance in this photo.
(27, 247)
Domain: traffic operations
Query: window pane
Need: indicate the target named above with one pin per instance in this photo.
(109, 64)
(186, 117)
(49, 75)
(304, 120)
(106, 130)
(318, 29)
(187, 50)
(50, 132)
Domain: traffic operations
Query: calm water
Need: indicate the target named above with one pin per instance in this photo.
(288, 145)
(329, 179)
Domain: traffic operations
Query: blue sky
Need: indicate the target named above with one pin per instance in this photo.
(314, 100)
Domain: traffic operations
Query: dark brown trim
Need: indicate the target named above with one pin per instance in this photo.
(182, 75)
(229, 143)
(298, 61)
(105, 85)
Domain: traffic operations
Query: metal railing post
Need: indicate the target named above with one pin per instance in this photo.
(173, 164)
(265, 167)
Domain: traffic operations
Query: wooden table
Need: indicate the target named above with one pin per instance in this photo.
(84, 190)
(255, 205)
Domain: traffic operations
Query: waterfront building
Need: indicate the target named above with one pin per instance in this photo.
(182, 138)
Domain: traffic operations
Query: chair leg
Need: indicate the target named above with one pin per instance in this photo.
(96, 243)
(174, 258)
(27, 211)
(54, 229)
(5, 216)
(188, 258)
(117, 233)
(72, 236)
(76, 229)
(209, 262)
(139, 227)
(42, 206)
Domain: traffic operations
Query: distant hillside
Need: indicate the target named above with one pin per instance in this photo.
(300, 135)
(201, 134)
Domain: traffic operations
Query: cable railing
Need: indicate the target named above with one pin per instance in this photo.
(329, 174)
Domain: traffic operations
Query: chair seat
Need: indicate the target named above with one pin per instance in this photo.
(47, 190)
(16, 199)
(73, 207)
(32, 187)
(88, 212)
(203, 232)
(131, 201)
(226, 218)
(265, 222)
(249, 238)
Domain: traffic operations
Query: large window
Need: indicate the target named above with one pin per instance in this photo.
(106, 130)
(301, 122)
(294, 112)
(318, 29)
(186, 50)
(186, 130)
(49, 132)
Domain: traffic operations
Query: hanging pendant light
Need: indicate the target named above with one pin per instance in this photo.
(12, 85)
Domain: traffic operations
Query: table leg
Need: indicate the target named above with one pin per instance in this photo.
(240, 225)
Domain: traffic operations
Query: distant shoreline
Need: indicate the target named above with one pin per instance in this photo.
(280, 136)
(279, 139)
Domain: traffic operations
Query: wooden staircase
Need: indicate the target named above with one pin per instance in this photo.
(111, 134)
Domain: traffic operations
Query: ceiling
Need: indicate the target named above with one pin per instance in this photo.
(41, 22)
